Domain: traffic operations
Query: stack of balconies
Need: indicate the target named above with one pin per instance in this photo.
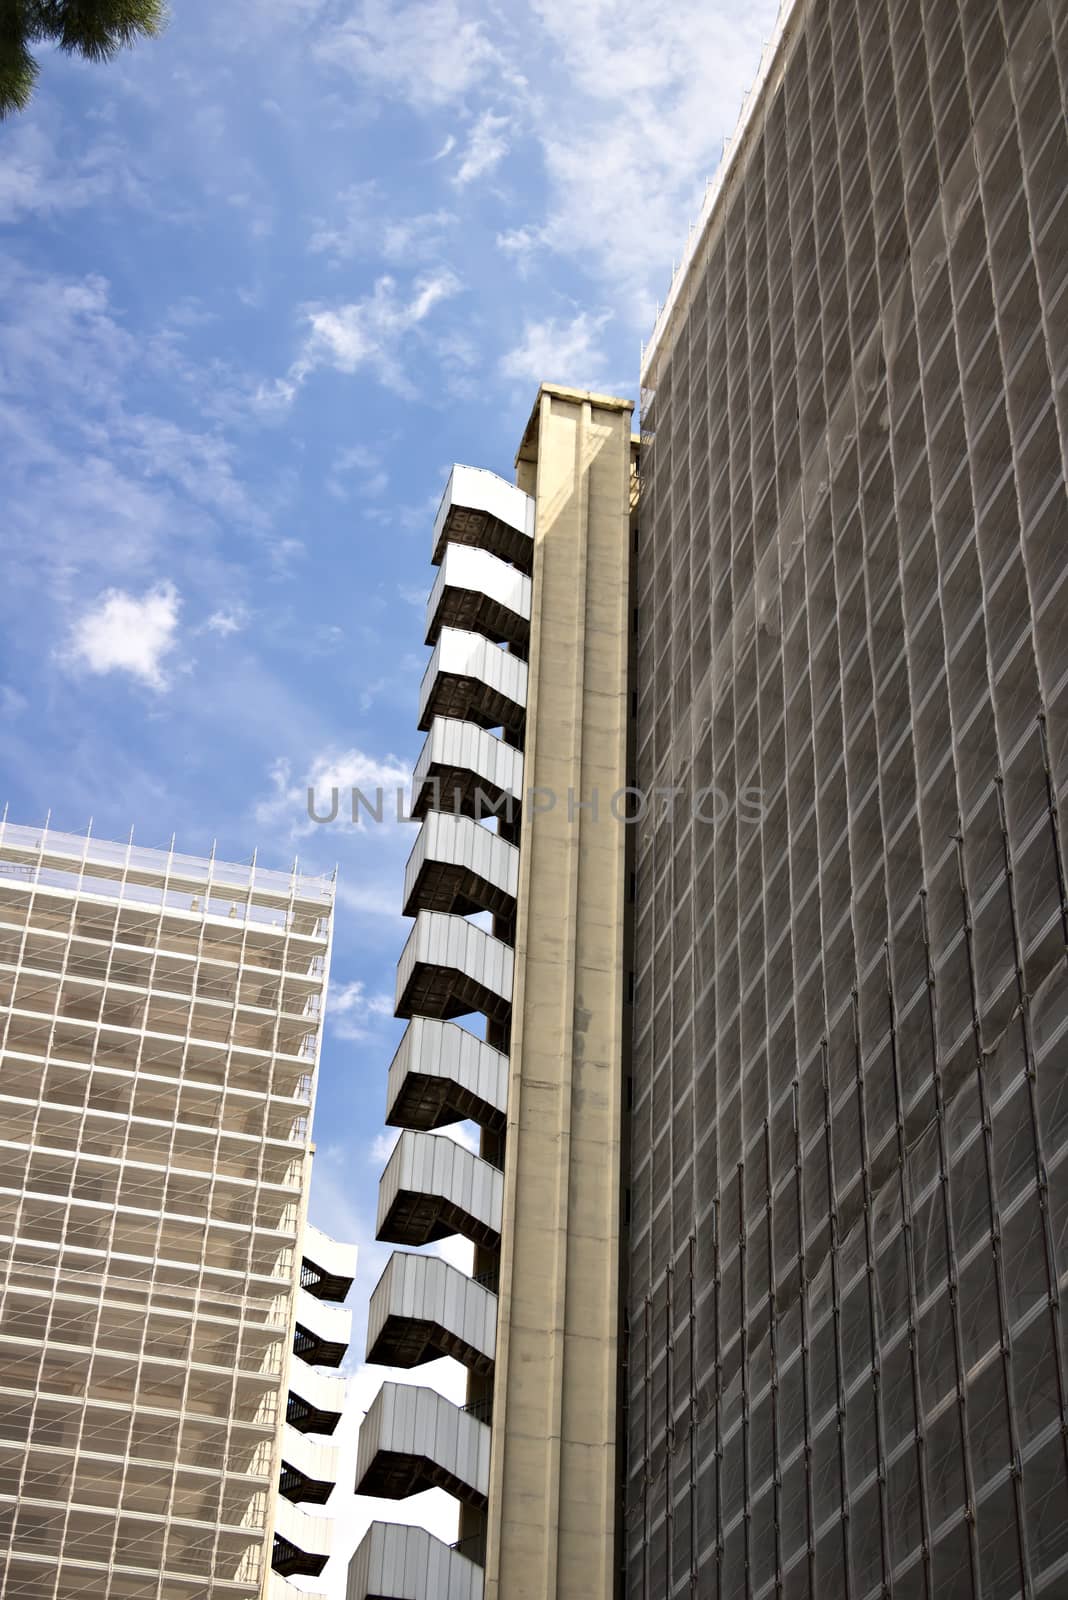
(313, 1410)
(472, 707)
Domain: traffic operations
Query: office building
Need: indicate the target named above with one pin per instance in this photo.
(773, 1090)
(849, 1143)
(161, 1294)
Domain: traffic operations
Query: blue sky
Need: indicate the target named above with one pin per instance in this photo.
(261, 281)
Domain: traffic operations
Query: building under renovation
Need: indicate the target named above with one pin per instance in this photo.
(771, 1210)
(164, 1306)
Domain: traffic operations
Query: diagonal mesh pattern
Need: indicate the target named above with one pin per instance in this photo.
(847, 1368)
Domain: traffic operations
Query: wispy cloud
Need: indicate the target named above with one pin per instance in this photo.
(486, 147)
(127, 633)
(228, 620)
(354, 1014)
(343, 771)
(369, 333)
(429, 52)
(559, 351)
(360, 227)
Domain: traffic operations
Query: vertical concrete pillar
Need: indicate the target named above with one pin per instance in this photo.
(551, 1533)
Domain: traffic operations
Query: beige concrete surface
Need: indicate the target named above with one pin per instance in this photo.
(551, 1533)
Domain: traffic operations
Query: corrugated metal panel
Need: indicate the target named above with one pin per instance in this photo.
(449, 942)
(463, 843)
(406, 1420)
(336, 1259)
(282, 1589)
(332, 1323)
(399, 1563)
(452, 743)
(468, 655)
(425, 1288)
(433, 1049)
(310, 1534)
(476, 489)
(465, 567)
(317, 1461)
(323, 1392)
(434, 1164)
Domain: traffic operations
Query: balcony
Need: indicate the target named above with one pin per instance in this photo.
(450, 967)
(281, 1589)
(397, 1563)
(301, 1543)
(432, 1187)
(316, 1400)
(479, 508)
(328, 1267)
(413, 1439)
(322, 1332)
(462, 768)
(309, 1469)
(442, 1074)
(459, 867)
(476, 591)
(470, 678)
(423, 1308)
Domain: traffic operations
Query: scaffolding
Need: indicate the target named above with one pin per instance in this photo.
(159, 1030)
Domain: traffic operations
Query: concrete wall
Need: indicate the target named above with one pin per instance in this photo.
(553, 1464)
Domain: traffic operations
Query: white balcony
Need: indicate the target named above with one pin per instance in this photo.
(450, 967)
(442, 1074)
(470, 678)
(458, 866)
(393, 1562)
(423, 1308)
(316, 1399)
(462, 768)
(328, 1266)
(413, 1439)
(432, 1187)
(309, 1468)
(323, 1331)
(306, 1541)
(479, 592)
(480, 508)
(281, 1589)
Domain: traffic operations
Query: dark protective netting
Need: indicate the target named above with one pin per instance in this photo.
(847, 1353)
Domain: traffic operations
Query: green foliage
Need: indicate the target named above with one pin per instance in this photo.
(96, 29)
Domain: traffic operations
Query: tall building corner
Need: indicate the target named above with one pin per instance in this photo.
(526, 708)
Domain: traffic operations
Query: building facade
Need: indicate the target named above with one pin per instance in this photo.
(525, 708)
(810, 1009)
(847, 1368)
(160, 1291)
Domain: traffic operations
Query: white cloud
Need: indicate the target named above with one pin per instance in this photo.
(360, 229)
(382, 1146)
(486, 147)
(230, 619)
(353, 1013)
(553, 351)
(521, 244)
(344, 772)
(37, 179)
(127, 633)
(361, 463)
(651, 108)
(366, 333)
(429, 52)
